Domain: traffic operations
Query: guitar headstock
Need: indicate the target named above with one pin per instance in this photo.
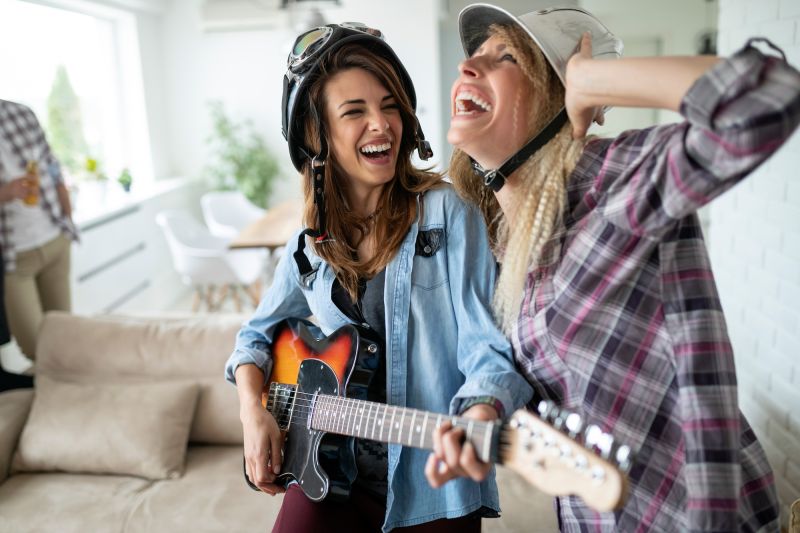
(557, 453)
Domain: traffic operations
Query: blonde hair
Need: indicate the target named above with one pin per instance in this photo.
(521, 247)
(397, 206)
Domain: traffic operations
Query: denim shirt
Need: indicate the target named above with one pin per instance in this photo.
(442, 345)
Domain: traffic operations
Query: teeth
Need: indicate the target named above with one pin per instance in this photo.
(468, 96)
(372, 148)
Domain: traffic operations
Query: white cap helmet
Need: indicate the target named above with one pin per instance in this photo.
(557, 31)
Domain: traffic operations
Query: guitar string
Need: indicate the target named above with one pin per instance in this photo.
(308, 408)
(352, 403)
(349, 403)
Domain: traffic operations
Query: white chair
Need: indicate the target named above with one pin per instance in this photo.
(227, 213)
(204, 261)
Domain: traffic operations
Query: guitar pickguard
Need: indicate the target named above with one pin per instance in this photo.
(341, 365)
(302, 445)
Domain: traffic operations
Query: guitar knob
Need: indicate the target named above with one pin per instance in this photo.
(372, 348)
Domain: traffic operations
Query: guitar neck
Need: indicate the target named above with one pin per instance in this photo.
(391, 424)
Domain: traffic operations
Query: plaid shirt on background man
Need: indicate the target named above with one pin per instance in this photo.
(626, 326)
(21, 132)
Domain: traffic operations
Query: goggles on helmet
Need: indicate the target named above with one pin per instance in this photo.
(310, 44)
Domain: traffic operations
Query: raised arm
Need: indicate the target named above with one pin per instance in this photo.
(653, 82)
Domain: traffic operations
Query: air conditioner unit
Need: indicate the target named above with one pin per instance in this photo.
(247, 15)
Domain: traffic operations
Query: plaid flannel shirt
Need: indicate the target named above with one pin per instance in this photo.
(20, 130)
(624, 324)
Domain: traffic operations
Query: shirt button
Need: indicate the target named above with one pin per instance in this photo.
(427, 249)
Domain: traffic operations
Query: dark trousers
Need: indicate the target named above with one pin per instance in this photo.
(362, 513)
(7, 380)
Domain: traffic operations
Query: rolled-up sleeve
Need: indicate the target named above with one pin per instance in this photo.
(484, 354)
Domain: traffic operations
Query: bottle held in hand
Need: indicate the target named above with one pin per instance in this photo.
(32, 171)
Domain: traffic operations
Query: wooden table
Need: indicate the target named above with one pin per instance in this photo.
(272, 230)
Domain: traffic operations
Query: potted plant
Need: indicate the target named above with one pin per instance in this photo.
(125, 179)
(240, 158)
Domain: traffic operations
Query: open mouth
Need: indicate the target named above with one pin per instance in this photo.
(376, 152)
(468, 104)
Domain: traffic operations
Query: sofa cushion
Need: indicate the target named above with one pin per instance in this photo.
(220, 499)
(138, 429)
(68, 503)
(114, 349)
(14, 408)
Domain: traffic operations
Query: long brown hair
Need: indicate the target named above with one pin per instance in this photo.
(542, 181)
(397, 205)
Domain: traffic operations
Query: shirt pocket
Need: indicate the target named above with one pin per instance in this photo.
(429, 270)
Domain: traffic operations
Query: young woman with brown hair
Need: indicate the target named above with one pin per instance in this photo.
(395, 250)
(605, 289)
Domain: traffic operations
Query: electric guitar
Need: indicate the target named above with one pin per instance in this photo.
(316, 392)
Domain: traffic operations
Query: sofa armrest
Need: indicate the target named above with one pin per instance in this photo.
(14, 408)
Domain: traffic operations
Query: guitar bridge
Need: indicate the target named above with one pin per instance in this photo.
(280, 403)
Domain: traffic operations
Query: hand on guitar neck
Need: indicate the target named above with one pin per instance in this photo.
(453, 455)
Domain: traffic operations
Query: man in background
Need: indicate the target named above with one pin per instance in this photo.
(36, 226)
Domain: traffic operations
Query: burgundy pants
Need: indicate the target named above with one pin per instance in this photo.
(360, 514)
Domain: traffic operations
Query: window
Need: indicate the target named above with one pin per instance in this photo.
(65, 63)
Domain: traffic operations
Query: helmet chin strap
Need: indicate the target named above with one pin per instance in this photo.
(307, 272)
(496, 178)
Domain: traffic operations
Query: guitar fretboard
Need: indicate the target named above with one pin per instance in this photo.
(380, 422)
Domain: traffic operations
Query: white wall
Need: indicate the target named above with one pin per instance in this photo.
(651, 28)
(244, 70)
(755, 251)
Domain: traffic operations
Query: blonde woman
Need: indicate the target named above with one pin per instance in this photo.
(605, 289)
(394, 249)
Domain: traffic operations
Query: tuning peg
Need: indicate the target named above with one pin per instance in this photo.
(574, 424)
(594, 437)
(623, 456)
(544, 408)
(550, 412)
(591, 435)
(606, 445)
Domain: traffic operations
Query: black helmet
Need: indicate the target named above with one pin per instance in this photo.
(309, 48)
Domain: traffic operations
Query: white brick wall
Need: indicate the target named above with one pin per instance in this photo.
(754, 241)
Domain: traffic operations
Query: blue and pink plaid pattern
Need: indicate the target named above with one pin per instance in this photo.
(624, 323)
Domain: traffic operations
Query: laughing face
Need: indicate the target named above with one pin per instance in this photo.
(365, 128)
(489, 113)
